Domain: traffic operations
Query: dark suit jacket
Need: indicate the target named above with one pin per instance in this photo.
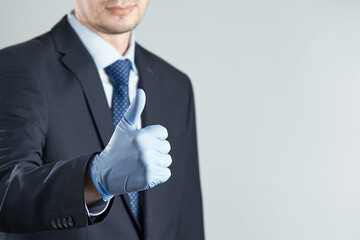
(54, 116)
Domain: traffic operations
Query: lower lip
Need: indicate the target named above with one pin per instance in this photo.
(120, 11)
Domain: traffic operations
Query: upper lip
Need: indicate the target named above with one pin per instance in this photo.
(121, 7)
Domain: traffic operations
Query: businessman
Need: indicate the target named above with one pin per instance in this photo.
(97, 134)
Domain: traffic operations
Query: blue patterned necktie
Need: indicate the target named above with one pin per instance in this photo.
(119, 72)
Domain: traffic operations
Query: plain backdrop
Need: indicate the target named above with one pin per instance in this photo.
(277, 97)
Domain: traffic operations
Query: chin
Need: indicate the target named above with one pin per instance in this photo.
(116, 29)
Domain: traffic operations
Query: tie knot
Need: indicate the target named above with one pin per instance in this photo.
(119, 71)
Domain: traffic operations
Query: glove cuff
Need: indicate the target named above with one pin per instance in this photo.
(96, 179)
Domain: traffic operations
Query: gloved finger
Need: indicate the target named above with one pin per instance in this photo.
(165, 175)
(162, 146)
(161, 160)
(132, 116)
(166, 161)
(158, 175)
(157, 131)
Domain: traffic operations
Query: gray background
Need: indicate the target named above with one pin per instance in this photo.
(277, 97)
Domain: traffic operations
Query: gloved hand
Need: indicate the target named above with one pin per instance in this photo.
(134, 160)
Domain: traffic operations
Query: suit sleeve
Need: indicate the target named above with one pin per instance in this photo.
(191, 225)
(33, 196)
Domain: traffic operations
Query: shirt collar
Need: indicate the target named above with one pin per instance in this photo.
(101, 51)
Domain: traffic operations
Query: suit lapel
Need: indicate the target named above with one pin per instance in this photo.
(149, 82)
(77, 59)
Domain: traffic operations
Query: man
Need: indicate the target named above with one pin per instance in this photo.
(79, 159)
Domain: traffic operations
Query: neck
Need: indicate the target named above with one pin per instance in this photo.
(119, 41)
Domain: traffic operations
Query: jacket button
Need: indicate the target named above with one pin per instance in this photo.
(53, 223)
(64, 222)
(70, 221)
(59, 223)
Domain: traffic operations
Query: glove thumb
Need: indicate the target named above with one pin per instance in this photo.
(132, 116)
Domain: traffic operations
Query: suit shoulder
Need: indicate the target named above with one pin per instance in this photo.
(30, 50)
(163, 66)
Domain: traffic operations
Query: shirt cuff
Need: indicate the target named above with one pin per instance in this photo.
(97, 208)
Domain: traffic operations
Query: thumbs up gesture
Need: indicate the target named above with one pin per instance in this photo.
(134, 159)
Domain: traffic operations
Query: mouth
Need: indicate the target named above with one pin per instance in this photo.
(120, 11)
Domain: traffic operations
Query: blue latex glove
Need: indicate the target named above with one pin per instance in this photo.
(134, 159)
